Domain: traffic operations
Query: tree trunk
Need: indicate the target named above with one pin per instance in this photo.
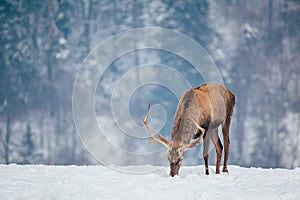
(7, 139)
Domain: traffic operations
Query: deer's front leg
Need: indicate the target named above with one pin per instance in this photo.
(205, 152)
(219, 147)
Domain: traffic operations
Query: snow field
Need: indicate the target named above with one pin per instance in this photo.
(100, 182)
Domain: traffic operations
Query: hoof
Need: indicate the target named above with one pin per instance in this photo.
(225, 170)
(207, 172)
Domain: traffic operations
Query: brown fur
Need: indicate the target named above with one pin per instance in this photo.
(210, 106)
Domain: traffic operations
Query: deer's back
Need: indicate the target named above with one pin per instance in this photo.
(207, 105)
(213, 100)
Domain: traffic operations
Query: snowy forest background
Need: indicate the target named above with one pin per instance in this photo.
(255, 45)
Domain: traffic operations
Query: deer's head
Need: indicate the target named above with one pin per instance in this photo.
(175, 150)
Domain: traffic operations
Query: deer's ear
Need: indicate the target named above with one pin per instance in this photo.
(165, 154)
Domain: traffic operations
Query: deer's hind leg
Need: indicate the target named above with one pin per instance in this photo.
(225, 130)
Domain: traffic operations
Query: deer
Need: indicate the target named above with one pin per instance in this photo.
(200, 111)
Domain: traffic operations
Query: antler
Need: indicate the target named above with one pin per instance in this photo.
(194, 144)
(161, 139)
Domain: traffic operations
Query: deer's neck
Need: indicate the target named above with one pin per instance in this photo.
(187, 128)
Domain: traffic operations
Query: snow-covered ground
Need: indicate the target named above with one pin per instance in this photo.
(99, 182)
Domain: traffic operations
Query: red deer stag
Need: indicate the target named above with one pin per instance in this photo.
(199, 113)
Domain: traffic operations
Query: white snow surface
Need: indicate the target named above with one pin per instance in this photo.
(100, 182)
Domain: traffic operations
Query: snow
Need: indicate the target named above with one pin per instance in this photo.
(100, 182)
(62, 41)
